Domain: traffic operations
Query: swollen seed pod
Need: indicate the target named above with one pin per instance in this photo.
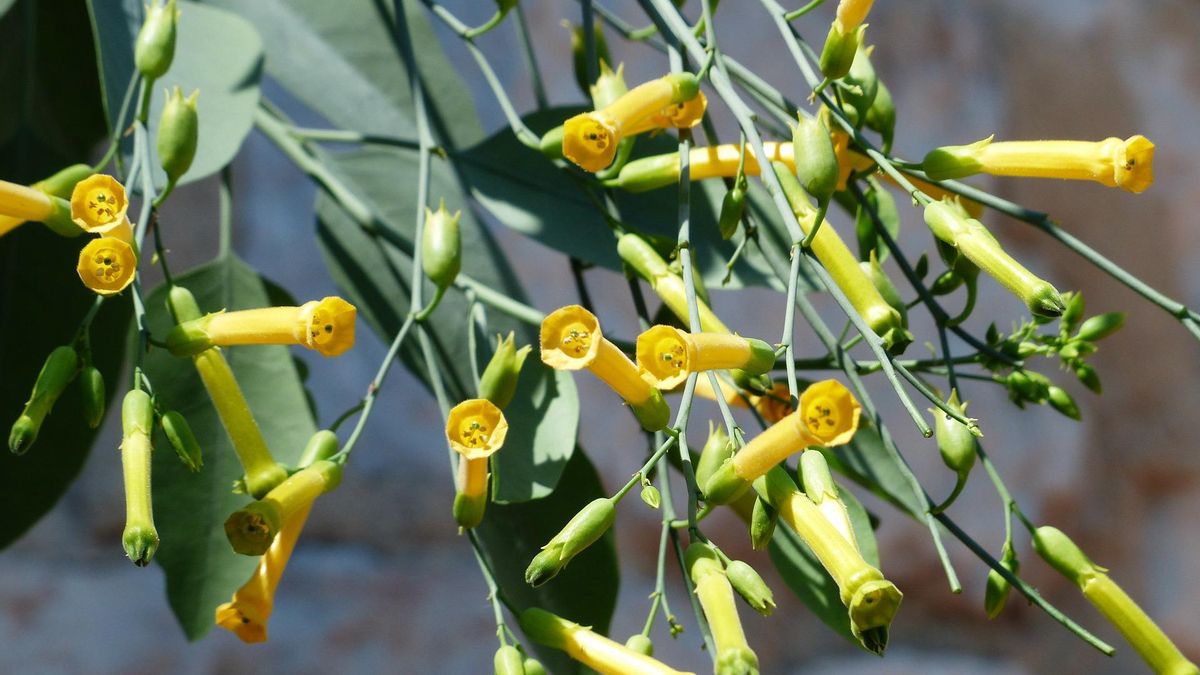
(441, 246)
(651, 496)
(508, 661)
(640, 644)
(748, 584)
(179, 434)
(498, 383)
(717, 448)
(763, 518)
(91, 392)
(178, 132)
(732, 209)
(816, 162)
(840, 47)
(155, 47)
(57, 372)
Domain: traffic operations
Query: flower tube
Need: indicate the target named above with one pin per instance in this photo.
(571, 339)
(1151, 643)
(828, 416)
(139, 537)
(667, 355)
(326, 326)
(733, 653)
(1127, 164)
(842, 265)
(475, 430)
(591, 649)
(58, 187)
(590, 139)
(252, 529)
(716, 161)
(107, 265)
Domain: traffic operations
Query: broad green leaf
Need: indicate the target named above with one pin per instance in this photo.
(544, 415)
(805, 576)
(525, 191)
(216, 52)
(350, 71)
(48, 119)
(6, 5)
(586, 590)
(190, 508)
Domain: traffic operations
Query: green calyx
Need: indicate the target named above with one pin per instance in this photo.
(441, 246)
(189, 337)
(140, 543)
(498, 383)
(716, 450)
(508, 661)
(468, 510)
(763, 519)
(178, 133)
(748, 584)
(321, 445)
(59, 369)
(998, 588)
(724, 486)
(155, 46)
(684, 87)
(653, 414)
(640, 644)
(815, 160)
(954, 161)
(1057, 549)
(762, 357)
(736, 661)
(837, 55)
(179, 434)
(137, 413)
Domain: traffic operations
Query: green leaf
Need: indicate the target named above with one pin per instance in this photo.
(544, 416)
(523, 190)
(807, 578)
(216, 52)
(190, 508)
(6, 5)
(349, 70)
(37, 272)
(586, 590)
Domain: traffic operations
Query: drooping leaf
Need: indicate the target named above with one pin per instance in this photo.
(190, 509)
(216, 52)
(585, 591)
(544, 415)
(525, 191)
(349, 70)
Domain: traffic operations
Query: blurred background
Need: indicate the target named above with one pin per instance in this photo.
(382, 583)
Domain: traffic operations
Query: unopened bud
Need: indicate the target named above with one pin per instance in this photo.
(751, 587)
(581, 531)
(999, 588)
(1073, 314)
(499, 380)
(92, 394)
(179, 434)
(1061, 401)
(155, 47)
(321, 445)
(57, 372)
(534, 667)
(717, 449)
(640, 644)
(1101, 326)
(1057, 549)
(651, 496)
(1089, 377)
(508, 661)
(763, 518)
(178, 132)
(861, 85)
(955, 441)
(441, 246)
(732, 209)
(816, 162)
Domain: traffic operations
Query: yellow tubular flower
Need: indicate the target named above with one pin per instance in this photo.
(733, 653)
(571, 339)
(326, 326)
(99, 205)
(851, 13)
(1127, 164)
(675, 116)
(872, 600)
(590, 139)
(667, 355)
(252, 529)
(842, 265)
(107, 265)
(475, 430)
(716, 161)
(591, 649)
(23, 203)
(247, 613)
(828, 416)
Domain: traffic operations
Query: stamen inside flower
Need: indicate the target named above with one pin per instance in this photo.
(576, 339)
(108, 265)
(102, 205)
(475, 433)
(822, 416)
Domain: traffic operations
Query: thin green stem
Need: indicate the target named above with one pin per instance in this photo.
(348, 136)
(531, 62)
(118, 130)
(641, 473)
(367, 404)
(797, 13)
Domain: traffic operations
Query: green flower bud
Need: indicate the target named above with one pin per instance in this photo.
(651, 496)
(91, 392)
(837, 55)
(724, 486)
(1057, 549)
(816, 161)
(178, 131)
(883, 205)
(751, 587)
(441, 246)
(499, 380)
(887, 290)
(955, 441)
(1101, 326)
(62, 183)
(321, 445)
(1089, 377)
(1073, 313)
(57, 372)
(640, 644)
(179, 434)
(881, 117)
(763, 518)
(182, 304)
(717, 448)
(579, 54)
(1061, 401)
(155, 47)
(732, 209)
(998, 588)
(861, 85)
(508, 661)
(581, 531)
(610, 85)
(534, 667)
